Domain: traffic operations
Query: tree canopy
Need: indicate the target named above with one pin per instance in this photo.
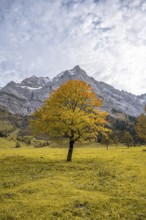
(71, 111)
(127, 138)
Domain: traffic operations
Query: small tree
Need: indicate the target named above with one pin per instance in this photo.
(127, 138)
(116, 140)
(72, 111)
(141, 126)
(106, 140)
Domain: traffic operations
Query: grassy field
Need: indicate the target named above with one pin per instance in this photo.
(37, 183)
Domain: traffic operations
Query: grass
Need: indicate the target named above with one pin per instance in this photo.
(37, 183)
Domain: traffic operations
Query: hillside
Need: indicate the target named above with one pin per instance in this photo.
(10, 122)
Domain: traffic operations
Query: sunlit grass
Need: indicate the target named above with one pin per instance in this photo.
(38, 183)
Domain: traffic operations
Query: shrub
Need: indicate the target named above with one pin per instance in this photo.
(38, 144)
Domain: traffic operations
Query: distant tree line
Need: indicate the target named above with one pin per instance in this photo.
(129, 130)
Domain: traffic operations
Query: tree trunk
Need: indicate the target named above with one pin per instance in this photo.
(70, 151)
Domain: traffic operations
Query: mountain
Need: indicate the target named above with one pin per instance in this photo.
(25, 97)
(35, 82)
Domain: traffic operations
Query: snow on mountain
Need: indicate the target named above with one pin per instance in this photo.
(27, 87)
(35, 82)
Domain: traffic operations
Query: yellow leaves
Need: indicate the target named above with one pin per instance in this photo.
(76, 92)
(71, 110)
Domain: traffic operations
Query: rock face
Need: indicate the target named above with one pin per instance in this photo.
(25, 97)
(35, 82)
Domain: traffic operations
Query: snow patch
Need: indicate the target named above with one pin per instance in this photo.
(32, 88)
(72, 72)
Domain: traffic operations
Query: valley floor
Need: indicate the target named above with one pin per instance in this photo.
(99, 184)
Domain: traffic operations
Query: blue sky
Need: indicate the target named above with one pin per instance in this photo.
(107, 38)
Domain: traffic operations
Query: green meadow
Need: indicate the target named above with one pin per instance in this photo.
(99, 184)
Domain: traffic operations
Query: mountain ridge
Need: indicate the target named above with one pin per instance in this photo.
(25, 97)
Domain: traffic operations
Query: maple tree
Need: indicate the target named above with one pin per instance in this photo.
(71, 111)
(141, 126)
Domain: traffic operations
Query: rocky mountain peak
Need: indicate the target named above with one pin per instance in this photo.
(11, 83)
(75, 73)
(35, 82)
(77, 68)
(10, 87)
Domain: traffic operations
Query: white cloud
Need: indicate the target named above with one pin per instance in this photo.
(106, 37)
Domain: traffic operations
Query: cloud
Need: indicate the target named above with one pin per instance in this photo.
(106, 38)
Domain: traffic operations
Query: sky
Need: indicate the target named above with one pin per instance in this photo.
(107, 38)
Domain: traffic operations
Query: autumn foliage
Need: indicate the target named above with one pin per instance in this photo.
(71, 111)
